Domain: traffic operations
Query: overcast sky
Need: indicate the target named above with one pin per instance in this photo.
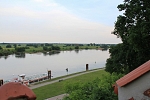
(58, 21)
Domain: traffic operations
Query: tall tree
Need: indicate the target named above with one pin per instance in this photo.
(133, 27)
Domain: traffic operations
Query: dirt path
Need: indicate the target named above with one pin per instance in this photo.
(46, 83)
(59, 97)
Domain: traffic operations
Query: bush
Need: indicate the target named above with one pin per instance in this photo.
(76, 47)
(20, 49)
(27, 47)
(55, 47)
(45, 48)
(99, 89)
(6, 52)
(8, 46)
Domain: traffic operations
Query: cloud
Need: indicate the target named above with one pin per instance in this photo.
(18, 12)
(52, 23)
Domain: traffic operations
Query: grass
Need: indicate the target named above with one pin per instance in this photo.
(59, 87)
(34, 50)
(57, 78)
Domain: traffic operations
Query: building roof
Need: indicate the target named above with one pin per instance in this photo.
(12, 90)
(144, 68)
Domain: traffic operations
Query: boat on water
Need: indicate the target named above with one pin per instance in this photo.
(26, 80)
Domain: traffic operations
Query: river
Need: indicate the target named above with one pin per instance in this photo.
(38, 63)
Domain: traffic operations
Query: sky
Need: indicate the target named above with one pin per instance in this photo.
(58, 21)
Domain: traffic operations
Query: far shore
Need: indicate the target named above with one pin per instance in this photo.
(13, 48)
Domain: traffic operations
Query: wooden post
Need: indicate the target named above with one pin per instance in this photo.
(1, 82)
(87, 67)
(49, 74)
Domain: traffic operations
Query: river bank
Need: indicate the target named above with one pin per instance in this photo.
(56, 87)
(7, 49)
(11, 48)
(59, 79)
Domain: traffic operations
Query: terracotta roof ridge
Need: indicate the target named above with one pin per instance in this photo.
(134, 74)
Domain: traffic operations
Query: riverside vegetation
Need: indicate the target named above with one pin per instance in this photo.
(13, 48)
(91, 86)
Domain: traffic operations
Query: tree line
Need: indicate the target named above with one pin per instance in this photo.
(11, 48)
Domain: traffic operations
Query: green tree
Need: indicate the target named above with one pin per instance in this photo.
(35, 45)
(55, 47)
(20, 49)
(45, 48)
(76, 47)
(15, 45)
(42, 45)
(8, 46)
(1, 48)
(133, 29)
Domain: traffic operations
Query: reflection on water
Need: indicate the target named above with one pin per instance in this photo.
(5, 57)
(77, 51)
(20, 55)
(104, 49)
(51, 53)
(39, 63)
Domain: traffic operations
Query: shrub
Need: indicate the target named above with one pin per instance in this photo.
(98, 89)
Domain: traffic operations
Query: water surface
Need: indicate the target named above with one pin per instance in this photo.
(39, 63)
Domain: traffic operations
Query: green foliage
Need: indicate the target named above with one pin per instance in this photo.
(47, 44)
(27, 47)
(117, 61)
(8, 46)
(35, 46)
(55, 47)
(86, 48)
(45, 48)
(1, 48)
(98, 89)
(20, 49)
(133, 29)
(6, 52)
(39, 47)
(58, 88)
(15, 45)
(76, 47)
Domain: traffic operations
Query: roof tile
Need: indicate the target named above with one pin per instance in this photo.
(144, 68)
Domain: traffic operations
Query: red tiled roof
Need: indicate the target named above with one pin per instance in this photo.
(12, 90)
(134, 74)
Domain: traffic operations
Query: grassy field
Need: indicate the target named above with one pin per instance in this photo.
(59, 87)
